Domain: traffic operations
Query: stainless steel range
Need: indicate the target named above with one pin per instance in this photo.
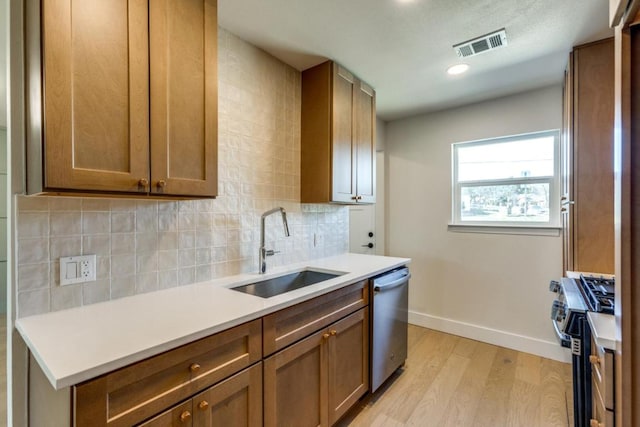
(575, 296)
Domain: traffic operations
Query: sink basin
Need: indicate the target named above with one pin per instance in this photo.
(289, 282)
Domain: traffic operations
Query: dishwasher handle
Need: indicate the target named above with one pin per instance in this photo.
(390, 285)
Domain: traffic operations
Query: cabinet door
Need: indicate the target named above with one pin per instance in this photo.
(343, 172)
(96, 95)
(236, 401)
(593, 176)
(365, 143)
(348, 357)
(295, 384)
(178, 416)
(184, 97)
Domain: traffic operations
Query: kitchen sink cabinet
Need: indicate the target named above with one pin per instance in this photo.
(587, 160)
(316, 380)
(236, 401)
(338, 136)
(125, 99)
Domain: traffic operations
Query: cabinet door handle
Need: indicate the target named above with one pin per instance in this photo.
(143, 182)
(325, 336)
(185, 416)
(354, 197)
(194, 367)
(162, 183)
(359, 198)
(594, 360)
(333, 332)
(595, 423)
(203, 405)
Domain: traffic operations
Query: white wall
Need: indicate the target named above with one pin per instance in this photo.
(491, 287)
(381, 243)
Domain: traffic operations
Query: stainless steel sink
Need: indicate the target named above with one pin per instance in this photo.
(289, 282)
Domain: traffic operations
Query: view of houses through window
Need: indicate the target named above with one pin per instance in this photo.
(511, 180)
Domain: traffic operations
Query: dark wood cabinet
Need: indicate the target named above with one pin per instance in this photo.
(128, 95)
(587, 160)
(338, 136)
(316, 380)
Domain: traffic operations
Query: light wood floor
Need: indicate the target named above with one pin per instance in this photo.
(453, 381)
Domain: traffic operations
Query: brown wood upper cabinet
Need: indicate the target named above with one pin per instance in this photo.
(127, 100)
(587, 159)
(338, 136)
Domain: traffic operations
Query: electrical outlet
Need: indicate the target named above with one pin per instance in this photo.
(77, 269)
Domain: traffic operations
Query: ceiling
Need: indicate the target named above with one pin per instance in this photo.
(403, 48)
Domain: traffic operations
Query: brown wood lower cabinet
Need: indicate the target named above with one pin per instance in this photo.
(316, 380)
(316, 370)
(134, 393)
(236, 401)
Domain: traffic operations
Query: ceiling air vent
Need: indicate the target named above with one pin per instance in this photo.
(481, 44)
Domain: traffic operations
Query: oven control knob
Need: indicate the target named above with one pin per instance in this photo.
(554, 286)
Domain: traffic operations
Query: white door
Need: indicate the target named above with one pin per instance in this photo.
(362, 227)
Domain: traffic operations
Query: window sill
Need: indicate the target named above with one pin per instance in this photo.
(506, 229)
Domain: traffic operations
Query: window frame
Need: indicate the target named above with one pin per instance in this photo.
(526, 226)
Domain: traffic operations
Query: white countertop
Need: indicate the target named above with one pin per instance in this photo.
(78, 344)
(603, 329)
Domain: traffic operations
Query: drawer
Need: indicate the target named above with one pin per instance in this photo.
(602, 372)
(601, 416)
(136, 392)
(287, 326)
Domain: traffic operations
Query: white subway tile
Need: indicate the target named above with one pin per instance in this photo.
(97, 244)
(65, 223)
(95, 292)
(64, 246)
(123, 286)
(63, 297)
(123, 222)
(33, 302)
(33, 251)
(33, 276)
(123, 243)
(96, 222)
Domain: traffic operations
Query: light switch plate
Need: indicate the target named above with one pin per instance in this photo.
(77, 269)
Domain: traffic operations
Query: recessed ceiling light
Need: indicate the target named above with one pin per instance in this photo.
(457, 69)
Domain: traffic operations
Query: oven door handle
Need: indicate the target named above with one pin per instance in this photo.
(565, 340)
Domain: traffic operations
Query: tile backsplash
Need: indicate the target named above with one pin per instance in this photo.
(145, 246)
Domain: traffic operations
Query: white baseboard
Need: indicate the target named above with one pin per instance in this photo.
(548, 349)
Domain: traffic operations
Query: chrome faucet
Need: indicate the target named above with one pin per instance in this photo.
(264, 252)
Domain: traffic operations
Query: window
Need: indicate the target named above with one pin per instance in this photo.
(510, 181)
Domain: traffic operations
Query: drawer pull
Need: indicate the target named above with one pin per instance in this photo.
(595, 423)
(203, 405)
(594, 360)
(333, 332)
(185, 416)
(325, 336)
(194, 367)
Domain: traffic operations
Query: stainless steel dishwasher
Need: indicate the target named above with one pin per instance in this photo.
(389, 319)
